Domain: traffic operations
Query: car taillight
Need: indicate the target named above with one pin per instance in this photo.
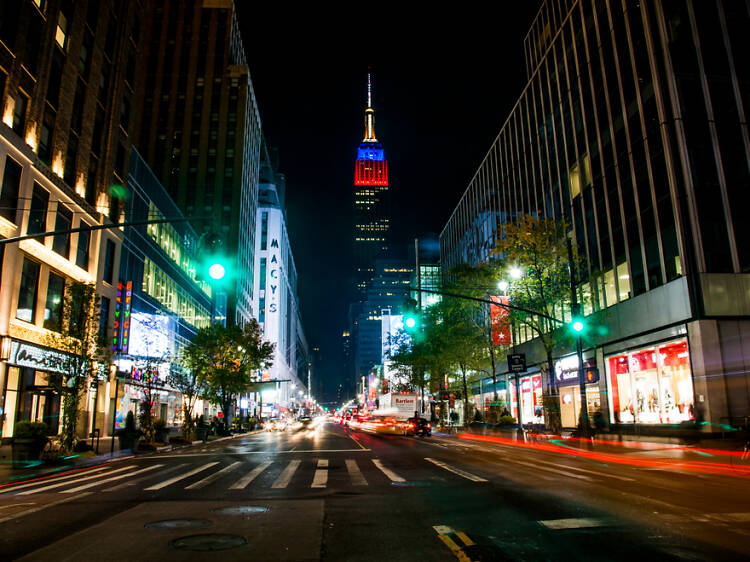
(428, 426)
(412, 425)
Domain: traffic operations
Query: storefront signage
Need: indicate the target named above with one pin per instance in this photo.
(566, 371)
(405, 403)
(123, 302)
(27, 355)
(517, 362)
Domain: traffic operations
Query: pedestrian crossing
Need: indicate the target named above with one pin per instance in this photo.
(236, 476)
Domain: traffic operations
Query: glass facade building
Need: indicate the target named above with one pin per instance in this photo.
(632, 128)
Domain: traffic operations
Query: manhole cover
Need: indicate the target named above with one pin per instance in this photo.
(178, 524)
(240, 510)
(208, 542)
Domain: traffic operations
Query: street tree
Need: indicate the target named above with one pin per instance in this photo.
(225, 360)
(83, 357)
(186, 380)
(537, 248)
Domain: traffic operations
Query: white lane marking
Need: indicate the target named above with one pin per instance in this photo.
(730, 517)
(286, 476)
(182, 476)
(575, 523)
(56, 479)
(263, 453)
(605, 474)
(463, 473)
(142, 478)
(43, 506)
(100, 482)
(442, 529)
(58, 484)
(536, 466)
(320, 480)
(211, 477)
(242, 483)
(355, 474)
(388, 472)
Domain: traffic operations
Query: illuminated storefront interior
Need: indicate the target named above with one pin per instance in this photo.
(651, 385)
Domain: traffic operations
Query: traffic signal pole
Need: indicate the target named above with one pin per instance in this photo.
(575, 311)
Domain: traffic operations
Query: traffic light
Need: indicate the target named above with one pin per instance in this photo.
(577, 325)
(411, 314)
(577, 322)
(213, 261)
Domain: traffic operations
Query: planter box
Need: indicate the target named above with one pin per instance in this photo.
(26, 450)
(129, 442)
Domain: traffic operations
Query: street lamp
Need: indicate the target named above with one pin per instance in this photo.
(515, 272)
(503, 286)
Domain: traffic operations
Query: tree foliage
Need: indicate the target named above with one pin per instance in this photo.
(84, 357)
(224, 360)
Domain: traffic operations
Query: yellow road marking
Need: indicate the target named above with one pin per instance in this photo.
(467, 541)
(444, 533)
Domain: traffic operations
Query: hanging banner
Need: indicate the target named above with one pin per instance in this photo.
(500, 321)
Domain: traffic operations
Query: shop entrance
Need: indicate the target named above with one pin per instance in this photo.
(37, 401)
(570, 403)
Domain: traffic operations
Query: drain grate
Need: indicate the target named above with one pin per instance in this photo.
(208, 542)
(240, 510)
(178, 524)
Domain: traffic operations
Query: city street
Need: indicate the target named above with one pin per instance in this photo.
(332, 494)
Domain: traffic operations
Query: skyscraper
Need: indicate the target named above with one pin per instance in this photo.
(201, 128)
(371, 213)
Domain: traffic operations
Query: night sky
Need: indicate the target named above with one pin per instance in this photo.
(444, 83)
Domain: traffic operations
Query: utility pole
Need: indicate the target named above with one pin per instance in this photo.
(575, 311)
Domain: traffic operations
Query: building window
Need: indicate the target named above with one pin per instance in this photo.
(45, 136)
(264, 230)
(82, 255)
(53, 307)
(61, 242)
(19, 113)
(109, 262)
(9, 189)
(27, 292)
(104, 318)
(61, 37)
(38, 213)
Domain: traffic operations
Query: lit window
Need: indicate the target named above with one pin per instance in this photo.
(60, 34)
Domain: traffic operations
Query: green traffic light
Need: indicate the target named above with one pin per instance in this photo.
(216, 271)
(411, 322)
(577, 326)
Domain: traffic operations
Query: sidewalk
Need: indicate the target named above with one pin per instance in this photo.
(83, 460)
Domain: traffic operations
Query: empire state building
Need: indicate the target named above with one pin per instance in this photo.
(371, 204)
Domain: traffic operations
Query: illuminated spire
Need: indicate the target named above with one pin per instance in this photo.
(369, 114)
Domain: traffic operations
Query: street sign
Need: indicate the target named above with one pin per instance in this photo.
(517, 362)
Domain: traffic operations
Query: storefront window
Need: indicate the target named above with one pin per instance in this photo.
(532, 410)
(651, 385)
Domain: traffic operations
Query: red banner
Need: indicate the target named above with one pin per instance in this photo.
(500, 321)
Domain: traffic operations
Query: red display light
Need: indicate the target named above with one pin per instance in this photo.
(371, 172)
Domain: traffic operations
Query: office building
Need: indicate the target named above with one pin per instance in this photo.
(632, 128)
(68, 82)
(201, 130)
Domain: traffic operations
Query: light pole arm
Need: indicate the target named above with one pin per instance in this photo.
(486, 301)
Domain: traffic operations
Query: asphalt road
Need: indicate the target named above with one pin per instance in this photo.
(333, 494)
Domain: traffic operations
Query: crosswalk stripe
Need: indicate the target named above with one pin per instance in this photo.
(463, 473)
(321, 475)
(355, 474)
(215, 476)
(536, 466)
(58, 484)
(286, 476)
(605, 474)
(142, 478)
(182, 476)
(242, 483)
(100, 482)
(388, 472)
(57, 479)
(574, 523)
